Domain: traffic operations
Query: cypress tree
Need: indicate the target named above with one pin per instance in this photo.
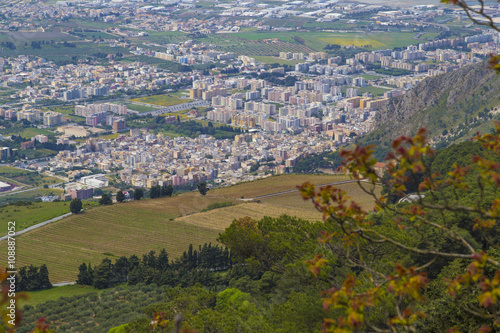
(43, 278)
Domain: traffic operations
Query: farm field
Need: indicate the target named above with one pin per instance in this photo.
(221, 218)
(171, 223)
(25, 132)
(29, 178)
(163, 100)
(139, 108)
(318, 40)
(295, 201)
(29, 215)
(113, 231)
(28, 195)
(240, 44)
(272, 185)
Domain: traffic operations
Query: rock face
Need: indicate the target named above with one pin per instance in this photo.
(435, 100)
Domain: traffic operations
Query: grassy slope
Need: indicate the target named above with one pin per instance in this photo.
(26, 216)
(171, 223)
(42, 296)
(27, 177)
(29, 195)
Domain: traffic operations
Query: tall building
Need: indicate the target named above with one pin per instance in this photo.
(52, 119)
(119, 124)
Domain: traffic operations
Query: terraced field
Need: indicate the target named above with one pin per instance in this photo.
(170, 223)
(115, 231)
(124, 229)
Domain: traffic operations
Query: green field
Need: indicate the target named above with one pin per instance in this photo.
(171, 223)
(42, 296)
(139, 108)
(26, 216)
(318, 40)
(25, 132)
(113, 231)
(370, 76)
(31, 195)
(163, 100)
(30, 178)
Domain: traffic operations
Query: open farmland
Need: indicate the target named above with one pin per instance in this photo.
(318, 40)
(29, 178)
(295, 201)
(30, 195)
(273, 185)
(29, 215)
(220, 219)
(113, 231)
(171, 223)
(163, 100)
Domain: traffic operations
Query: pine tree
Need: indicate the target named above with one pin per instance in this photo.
(83, 276)
(22, 285)
(32, 278)
(163, 264)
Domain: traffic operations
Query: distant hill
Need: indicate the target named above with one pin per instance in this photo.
(451, 106)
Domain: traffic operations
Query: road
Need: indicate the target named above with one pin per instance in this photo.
(16, 192)
(38, 225)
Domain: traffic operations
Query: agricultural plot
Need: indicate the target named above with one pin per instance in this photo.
(258, 48)
(38, 36)
(318, 40)
(29, 215)
(220, 219)
(139, 108)
(28, 178)
(31, 195)
(163, 100)
(113, 231)
(273, 185)
(295, 201)
(25, 132)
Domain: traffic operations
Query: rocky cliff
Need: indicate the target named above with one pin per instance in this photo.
(452, 107)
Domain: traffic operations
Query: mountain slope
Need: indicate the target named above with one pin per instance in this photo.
(452, 107)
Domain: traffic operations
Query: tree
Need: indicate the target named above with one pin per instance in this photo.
(202, 188)
(120, 197)
(167, 191)
(103, 274)
(75, 206)
(105, 200)
(138, 193)
(449, 228)
(84, 277)
(43, 278)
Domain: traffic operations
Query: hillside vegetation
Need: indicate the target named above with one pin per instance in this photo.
(452, 107)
